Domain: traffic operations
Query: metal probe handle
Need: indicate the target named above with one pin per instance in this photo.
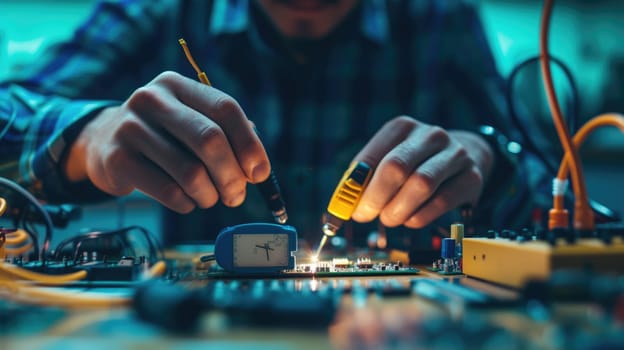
(272, 195)
(269, 188)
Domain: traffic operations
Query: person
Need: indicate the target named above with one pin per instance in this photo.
(402, 85)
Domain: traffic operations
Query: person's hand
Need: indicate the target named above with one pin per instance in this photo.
(181, 142)
(421, 172)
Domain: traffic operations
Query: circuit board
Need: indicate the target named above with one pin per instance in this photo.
(97, 271)
(337, 267)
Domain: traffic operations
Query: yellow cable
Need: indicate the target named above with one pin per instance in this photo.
(62, 299)
(583, 215)
(17, 237)
(3, 206)
(21, 292)
(12, 272)
(19, 250)
(15, 272)
(50, 297)
(157, 270)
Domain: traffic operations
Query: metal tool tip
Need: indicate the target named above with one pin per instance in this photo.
(280, 216)
(329, 229)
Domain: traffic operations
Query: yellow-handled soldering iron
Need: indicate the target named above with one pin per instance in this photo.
(344, 200)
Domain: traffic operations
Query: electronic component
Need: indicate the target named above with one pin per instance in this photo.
(131, 241)
(124, 270)
(344, 200)
(448, 248)
(256, 248)
(457, 233)
(514, 260)
(450, 261)
(121, 255)
(363, 266)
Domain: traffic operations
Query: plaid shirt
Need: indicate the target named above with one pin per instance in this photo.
(427, 59)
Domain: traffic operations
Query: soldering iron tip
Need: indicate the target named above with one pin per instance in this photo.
(280, 216)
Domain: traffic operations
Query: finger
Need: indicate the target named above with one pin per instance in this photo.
(423, 183)
(102, 171)
(190, 174)
(391, 134)
(227, 113)
(459, 190)
(123, 171)
(200, 134)
(395, 168)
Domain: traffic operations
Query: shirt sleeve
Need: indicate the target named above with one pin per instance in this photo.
(44, 106)
(36, 132)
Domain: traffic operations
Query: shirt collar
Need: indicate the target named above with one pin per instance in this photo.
(232, 16)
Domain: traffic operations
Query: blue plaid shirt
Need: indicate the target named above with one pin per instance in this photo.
(427, 59)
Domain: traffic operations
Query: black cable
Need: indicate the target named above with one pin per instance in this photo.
(35, 203)
(573, 117)
(154, 248)
(207, 257)
(10, 121)
(34, 236)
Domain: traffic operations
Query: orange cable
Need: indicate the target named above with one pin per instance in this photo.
(607, 119)
(584, 218)
(558, 213)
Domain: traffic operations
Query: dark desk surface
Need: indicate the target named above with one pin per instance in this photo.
(415, 320)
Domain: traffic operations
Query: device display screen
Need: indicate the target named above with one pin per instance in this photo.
(260, 250)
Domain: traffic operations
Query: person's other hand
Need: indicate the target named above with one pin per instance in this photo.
(181, 142)
(421, 172)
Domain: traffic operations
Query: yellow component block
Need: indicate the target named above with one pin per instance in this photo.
(513, 263)
(349, 191)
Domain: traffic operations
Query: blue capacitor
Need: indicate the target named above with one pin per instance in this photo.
(448, 248)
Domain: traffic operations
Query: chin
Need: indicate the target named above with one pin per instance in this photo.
(304, 29)
(306, 19)
(309, 7)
